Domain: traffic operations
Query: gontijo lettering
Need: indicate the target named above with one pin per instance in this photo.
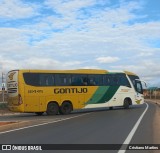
(70, 90)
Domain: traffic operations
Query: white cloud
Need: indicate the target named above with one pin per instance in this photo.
(36, 63)
(146, 69)
(11, 39)
(15, 9)
(8, 64)
(90, 67)
(145, 54)
(68, 7)
(48, 63)
(78, 34)
(108, 59)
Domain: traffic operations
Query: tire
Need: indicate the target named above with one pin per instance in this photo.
(126, 103)
(110, 108)
(39, 113)
(52, 109)
(66, 108)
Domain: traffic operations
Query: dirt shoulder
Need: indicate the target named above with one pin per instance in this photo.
(6, 112)
(156, 122)
(9, 125)
(156, 101)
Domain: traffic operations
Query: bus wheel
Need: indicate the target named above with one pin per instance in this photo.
(52, 108)
(39, 113)
(126, 103)
(110, 108)
(66, 108)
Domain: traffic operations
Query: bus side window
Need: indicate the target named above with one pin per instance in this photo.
(92, 82)
(95, 80)
(115, 80)
(32, 79)
(42, 80)
(50, 80)
(46, 79)
(133, 80)
(124, 81)
(62, 80)
(76, 80)
(112, 80)
(107, 80)
(79, 80)
(85, 81)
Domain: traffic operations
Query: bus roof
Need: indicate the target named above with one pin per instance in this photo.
(83, 71)
(130, 73)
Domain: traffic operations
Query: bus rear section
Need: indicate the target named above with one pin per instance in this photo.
(15, 103)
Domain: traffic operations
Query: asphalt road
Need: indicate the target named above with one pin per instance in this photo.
(89, 127)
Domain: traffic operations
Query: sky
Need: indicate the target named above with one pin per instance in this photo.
(75, 34)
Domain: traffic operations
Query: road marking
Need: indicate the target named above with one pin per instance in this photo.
(131, 134)
(43, 123)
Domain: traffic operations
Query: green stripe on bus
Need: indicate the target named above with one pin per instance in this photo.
(103, 94)
(98, 95)
(109, 94)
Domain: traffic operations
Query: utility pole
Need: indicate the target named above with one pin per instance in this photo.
(3, 87)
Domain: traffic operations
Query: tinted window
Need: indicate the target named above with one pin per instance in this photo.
(79, 80)
(46, 79)
(138, 87)
(95, 80)
(116, 80)
(111, 80)
(107, 80)
(133, 78)
(62, 79)
(38, 79)
(31, 79)
(123, 80)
